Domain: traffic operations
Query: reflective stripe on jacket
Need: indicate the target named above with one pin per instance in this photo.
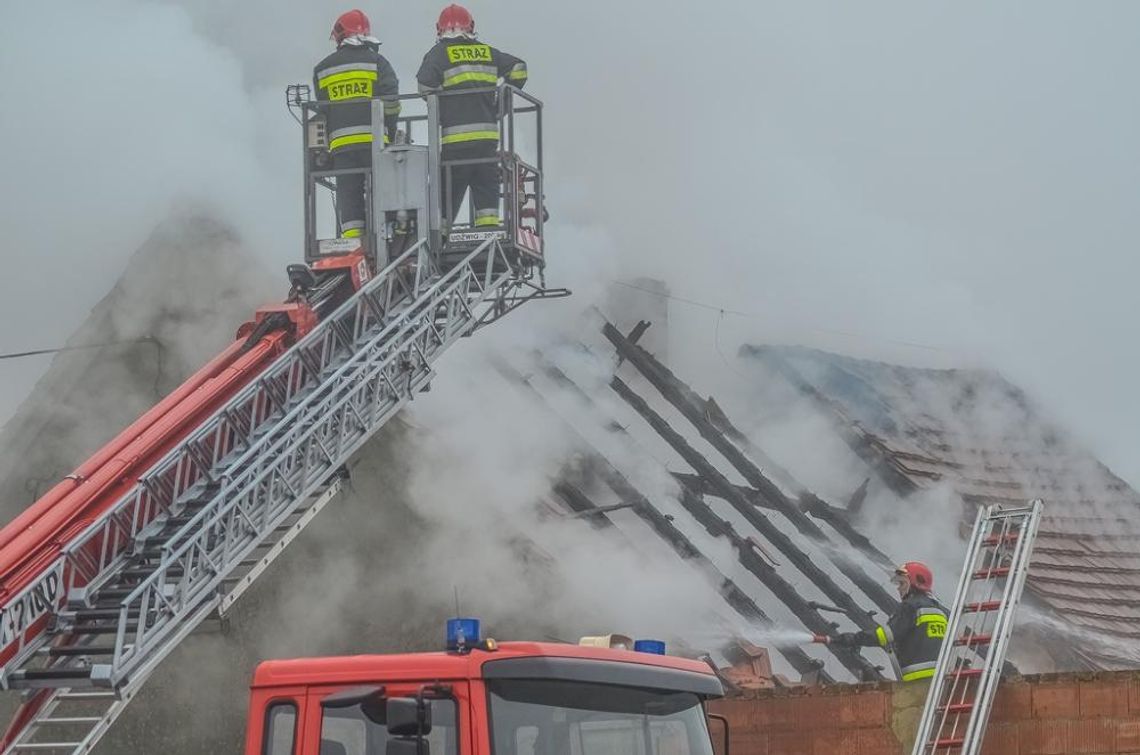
(915, 632)
(355, 74)
(465, 63)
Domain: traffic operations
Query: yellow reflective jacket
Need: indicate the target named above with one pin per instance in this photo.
(354, 75)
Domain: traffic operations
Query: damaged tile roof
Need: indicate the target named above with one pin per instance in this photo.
(976, 432)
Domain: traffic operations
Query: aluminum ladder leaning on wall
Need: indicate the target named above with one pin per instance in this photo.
(981, 621)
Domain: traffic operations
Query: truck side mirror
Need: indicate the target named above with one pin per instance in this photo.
(409, 720)
(408, 717)
(370, 699)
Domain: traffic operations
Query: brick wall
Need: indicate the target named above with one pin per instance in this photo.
(1053, 714)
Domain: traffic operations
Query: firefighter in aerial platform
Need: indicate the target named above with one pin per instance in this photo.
(915, 632)
(469, 122)
(354, 74)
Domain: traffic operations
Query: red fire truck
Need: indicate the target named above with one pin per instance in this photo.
(483, 697)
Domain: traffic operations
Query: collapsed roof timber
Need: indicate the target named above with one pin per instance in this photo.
(825, 555)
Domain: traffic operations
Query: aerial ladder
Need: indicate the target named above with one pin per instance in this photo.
(169, 524)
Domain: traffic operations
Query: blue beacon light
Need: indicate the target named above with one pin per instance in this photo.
(657, 647)
(462, 634)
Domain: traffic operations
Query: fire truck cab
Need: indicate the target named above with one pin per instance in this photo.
(513, 698)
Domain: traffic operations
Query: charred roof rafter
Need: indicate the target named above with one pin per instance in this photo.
(662, 525)
(688, 403)
(812, 504)
(781, 588)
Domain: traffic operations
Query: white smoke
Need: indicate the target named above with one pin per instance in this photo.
(115, 116)
(490, 454)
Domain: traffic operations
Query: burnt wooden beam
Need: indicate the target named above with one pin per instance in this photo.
(604, 510)
(637, 332)
(721, 422)
(728, 589)
(581, 504)
(736, 598)
(700, 485)
(687, 402)
(838, 519)
(818, 508)
(781, 588)
(808, 501)
(732, 594)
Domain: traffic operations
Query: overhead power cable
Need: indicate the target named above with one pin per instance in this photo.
(80, 347)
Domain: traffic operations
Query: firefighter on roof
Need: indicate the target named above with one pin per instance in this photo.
(354, 74)
(915, 632)
(469, 122)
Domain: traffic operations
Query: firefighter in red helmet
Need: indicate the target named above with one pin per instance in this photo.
(349, 79)
(914, 633)
(469, 122)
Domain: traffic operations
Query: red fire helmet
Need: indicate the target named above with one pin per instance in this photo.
(455, 18)
(917, 574)
(350, 24)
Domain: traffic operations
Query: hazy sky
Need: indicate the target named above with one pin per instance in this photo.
(859, 176)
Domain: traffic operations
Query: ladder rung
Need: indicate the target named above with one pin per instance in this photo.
(52, 674)
(974, 639)
(1001, 571)
(145, 571)
(956, 708)
(46, 746)
(94, 614)
(989, 605)
(70, 652)
(70, 721)
(992, 540)
(965, 673)
(114, 593)
(113, 629)
(86, 695)
(948, 744)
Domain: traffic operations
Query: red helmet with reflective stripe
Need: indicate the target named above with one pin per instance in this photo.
(351, 24)
(455, 18)
(918, 575)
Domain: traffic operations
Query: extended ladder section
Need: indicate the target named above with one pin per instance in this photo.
(200, 526)
(981, 621)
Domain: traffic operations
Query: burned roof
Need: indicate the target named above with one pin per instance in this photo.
(976, 432)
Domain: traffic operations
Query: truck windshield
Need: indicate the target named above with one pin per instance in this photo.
(348, 731)
(540, 717)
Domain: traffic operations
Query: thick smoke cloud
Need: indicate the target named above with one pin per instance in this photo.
(115, 116)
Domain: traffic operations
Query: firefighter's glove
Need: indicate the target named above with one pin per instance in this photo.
(845, 640)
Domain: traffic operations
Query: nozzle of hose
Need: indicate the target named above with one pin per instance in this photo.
(821, 639)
